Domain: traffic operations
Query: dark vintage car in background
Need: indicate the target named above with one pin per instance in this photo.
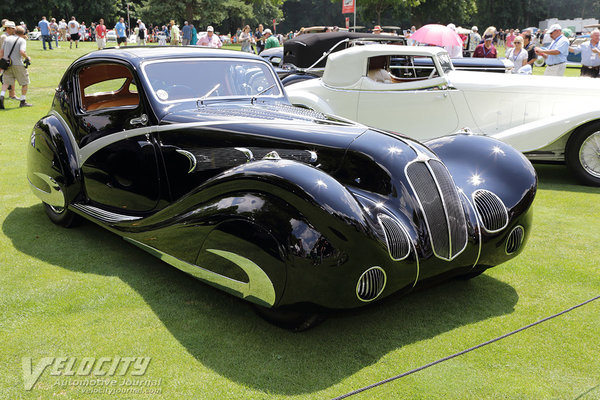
(197, 157)
(304, 57)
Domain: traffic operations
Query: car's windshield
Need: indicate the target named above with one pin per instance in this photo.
(191, 79)
(445, 62)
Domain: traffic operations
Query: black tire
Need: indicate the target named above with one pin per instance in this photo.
(582, 154)
(293, 319)
(62, 216)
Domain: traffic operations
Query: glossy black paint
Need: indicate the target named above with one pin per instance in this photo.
(295, 192)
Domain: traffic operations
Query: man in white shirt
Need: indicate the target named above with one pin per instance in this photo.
(15, 46)
(73, 28)
(590, 55)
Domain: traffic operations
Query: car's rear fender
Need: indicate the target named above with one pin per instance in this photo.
(53, 169)
(541, 134)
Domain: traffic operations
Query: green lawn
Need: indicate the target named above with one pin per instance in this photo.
(84, 292)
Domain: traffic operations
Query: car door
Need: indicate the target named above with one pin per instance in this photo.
(414, 101)
(118, 154)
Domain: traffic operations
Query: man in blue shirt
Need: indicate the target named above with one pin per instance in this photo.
(187, 34)
(590, 55)
(44, 26)
(556, 53)
(121, 32)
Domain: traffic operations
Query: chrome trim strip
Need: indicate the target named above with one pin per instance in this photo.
(190, 157)
(478, 227)
(259, 289)
(98, 144)
(106, 216)
(54, 197)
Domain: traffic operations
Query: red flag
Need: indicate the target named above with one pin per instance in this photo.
(347, 6)
(347, 22)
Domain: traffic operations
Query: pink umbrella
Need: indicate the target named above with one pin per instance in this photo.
(438, 35)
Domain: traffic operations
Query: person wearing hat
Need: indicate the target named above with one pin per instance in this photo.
(556, 54)
(474, 39)
(14, 47)
(270, 40)
(210, 39)
(377, 29)
(487, 48)
(9, 30)
(590, 55)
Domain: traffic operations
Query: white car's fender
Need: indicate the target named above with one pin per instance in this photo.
(308, 100)
(541, 134)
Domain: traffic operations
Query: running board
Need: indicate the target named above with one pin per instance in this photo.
(103, 215)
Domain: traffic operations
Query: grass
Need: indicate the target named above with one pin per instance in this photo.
(84, 292)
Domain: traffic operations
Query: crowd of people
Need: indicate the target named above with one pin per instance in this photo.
(522, 48)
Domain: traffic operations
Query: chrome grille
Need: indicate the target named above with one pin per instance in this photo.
(395, 237)
(441, 206)
(370, 284)
(491, 210)
(515, 239)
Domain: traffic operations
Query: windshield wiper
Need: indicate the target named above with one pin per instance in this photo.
(201, 99)
(253, 99)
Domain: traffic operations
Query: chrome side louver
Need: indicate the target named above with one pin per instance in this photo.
(515, 239)
(492, 211)
(370, 284)
(396, 238)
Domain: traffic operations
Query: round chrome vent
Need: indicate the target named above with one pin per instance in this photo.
(396, 237)
(492, 211)
(515, 239)
(370, 284)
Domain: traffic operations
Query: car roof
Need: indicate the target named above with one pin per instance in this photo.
(345, 67)
(137, 54)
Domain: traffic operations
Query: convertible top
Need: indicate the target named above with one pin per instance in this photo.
(304, 50)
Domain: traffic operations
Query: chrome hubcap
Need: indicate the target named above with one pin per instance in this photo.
(589, 154)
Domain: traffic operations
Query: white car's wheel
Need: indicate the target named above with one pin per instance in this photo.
(540, 62)
(583, 154)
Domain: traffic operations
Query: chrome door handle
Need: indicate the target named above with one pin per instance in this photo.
(143, 120)
(190, 157)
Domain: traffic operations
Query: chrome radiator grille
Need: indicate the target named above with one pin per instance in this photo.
(441, 206)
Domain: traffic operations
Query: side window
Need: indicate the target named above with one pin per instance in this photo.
(401, 68)
(106, 86)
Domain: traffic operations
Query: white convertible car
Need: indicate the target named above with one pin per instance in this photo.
(415, 91)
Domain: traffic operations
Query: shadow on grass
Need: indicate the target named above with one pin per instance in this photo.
(224, 334)
(553, 176)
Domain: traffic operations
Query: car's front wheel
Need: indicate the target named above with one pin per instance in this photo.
(583, 154)
(61, 216)
(295, 319)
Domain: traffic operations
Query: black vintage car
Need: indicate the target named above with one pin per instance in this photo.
(196, 156)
